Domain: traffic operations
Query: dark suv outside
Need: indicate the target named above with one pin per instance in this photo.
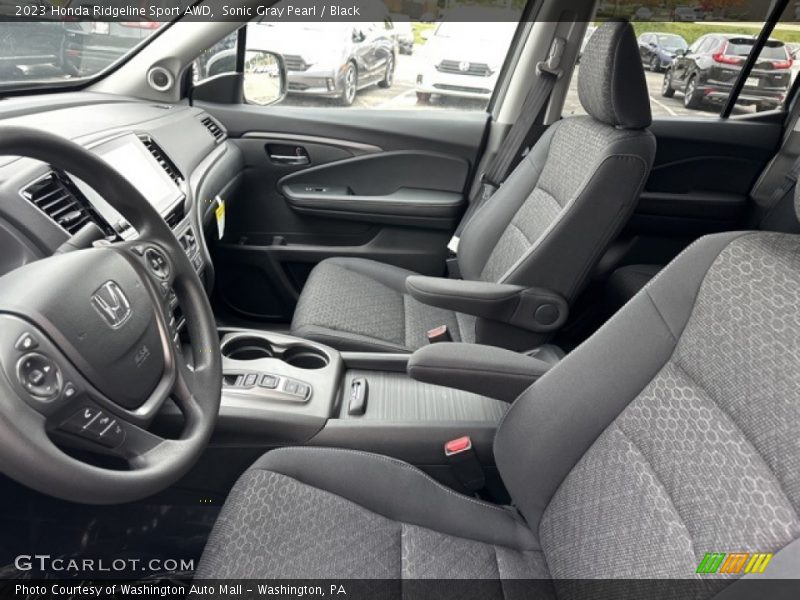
(707, 70)
(659, 49)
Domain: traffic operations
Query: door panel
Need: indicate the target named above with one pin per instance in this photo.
(393, 185)
(700, 183)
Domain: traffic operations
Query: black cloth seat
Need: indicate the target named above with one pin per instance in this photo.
(545, 227)
(306, 513)
(671, 433)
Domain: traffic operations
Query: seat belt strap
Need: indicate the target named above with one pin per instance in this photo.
(789, 180)
(548, 72)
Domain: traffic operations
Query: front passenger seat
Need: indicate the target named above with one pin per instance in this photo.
(528, 251)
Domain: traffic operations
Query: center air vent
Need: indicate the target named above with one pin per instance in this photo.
(57, 197)
(162, 159)
(214, 128)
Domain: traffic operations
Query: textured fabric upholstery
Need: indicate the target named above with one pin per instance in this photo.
(565, 185)
(276, 525)
(546, 226)
(707, 455)
(673, 432)
(356, 304)
(611, 83)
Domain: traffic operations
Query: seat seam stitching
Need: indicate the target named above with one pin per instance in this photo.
(661, 315)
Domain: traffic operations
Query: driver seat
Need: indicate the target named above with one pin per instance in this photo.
(673, 432)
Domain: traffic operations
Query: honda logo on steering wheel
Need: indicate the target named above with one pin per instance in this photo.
(112, 304)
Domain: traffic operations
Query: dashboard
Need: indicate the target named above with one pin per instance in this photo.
(177, 156)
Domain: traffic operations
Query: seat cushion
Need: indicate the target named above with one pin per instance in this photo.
(361, 305)
(308, 513)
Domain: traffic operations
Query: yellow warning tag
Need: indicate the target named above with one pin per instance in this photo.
(220, 214)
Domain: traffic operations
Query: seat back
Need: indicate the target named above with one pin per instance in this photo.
(674, 432)
(550, 222)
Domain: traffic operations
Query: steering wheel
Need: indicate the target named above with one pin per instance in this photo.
(88, 351)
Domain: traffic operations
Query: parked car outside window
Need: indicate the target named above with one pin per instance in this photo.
(706, 73)
(659, 49)
(463, 59)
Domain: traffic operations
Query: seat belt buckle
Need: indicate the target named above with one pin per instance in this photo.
(439, 334)
(453, 270)
(463, 461)
(452, 245)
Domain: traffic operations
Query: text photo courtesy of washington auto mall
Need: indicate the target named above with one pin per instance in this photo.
(402, 299)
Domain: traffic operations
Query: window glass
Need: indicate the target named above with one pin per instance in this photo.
(38, 48)
(691, 64)
(394, 64)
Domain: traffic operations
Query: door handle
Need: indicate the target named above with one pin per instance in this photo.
(285, 159)
(288, 154)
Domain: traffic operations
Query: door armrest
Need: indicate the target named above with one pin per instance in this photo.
(535, 309)
(485, 370)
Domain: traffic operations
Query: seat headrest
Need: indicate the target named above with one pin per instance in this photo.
(611, 82)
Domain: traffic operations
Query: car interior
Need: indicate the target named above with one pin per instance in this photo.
(307, 341)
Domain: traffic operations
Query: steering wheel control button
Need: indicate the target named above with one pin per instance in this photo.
(39, 376)
(78, 422)
(164, 288)
(93, 424)
(26, 343)
(250, 380)
(157, 263)
(113, 435)
(70, 391)
(98, 425)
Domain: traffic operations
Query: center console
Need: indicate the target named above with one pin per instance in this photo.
(276, 389)
(280, 390)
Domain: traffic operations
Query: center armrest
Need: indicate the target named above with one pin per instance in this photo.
(535, 309)
(485, 370)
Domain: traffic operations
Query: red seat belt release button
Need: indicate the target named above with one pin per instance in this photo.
(439, 334)
(464, 463)
(457, 445)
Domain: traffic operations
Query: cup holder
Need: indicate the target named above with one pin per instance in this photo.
(247, 348)
(255, 348)
(305, 357)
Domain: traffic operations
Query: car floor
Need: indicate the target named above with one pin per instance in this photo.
(167, 526)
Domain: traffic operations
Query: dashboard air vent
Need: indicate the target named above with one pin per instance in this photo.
(162, 159)
(175, 216)
(214, 128)
(57, 197)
